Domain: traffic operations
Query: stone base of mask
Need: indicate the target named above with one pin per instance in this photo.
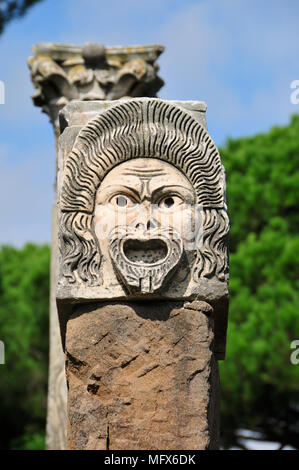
(142, 376)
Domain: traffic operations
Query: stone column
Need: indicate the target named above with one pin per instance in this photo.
(62, 74)
(142, 293)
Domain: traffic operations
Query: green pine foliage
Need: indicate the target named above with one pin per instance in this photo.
(12, 9)
(259, 384)
(24, 301)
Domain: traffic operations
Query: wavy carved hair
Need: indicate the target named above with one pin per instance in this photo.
(144, 127)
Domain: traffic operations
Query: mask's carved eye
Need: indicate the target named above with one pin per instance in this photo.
(170, 202)
(121, 201)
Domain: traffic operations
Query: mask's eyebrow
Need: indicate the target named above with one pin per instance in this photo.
(177, 189)
(116, 189)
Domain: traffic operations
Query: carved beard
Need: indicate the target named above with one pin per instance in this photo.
(144, 260)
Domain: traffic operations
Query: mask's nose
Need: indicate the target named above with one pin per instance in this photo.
(150, 225)
(144, 220)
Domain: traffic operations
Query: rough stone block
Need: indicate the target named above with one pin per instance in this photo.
(142, 376)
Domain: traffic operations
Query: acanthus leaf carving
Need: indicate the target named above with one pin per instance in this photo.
(63, 73)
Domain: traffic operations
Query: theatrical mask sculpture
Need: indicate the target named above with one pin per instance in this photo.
(142, 208)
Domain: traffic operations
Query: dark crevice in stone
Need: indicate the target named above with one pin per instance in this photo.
(76, 363)
(101, 338)
(92, 388)
(127, 363)
(196, 372)
(149, 369)
(108, 439)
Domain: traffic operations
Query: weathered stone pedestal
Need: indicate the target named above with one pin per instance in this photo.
(142, 376)
(142, 293)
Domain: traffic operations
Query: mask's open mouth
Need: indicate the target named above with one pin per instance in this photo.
(143, 261)
(144, 252)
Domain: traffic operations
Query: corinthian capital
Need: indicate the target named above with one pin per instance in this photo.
(63, 73)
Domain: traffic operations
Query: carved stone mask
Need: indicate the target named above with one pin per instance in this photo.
(142, 211)
(144, 215)
(138, 176)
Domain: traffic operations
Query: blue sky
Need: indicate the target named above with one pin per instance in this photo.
(239, 56)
